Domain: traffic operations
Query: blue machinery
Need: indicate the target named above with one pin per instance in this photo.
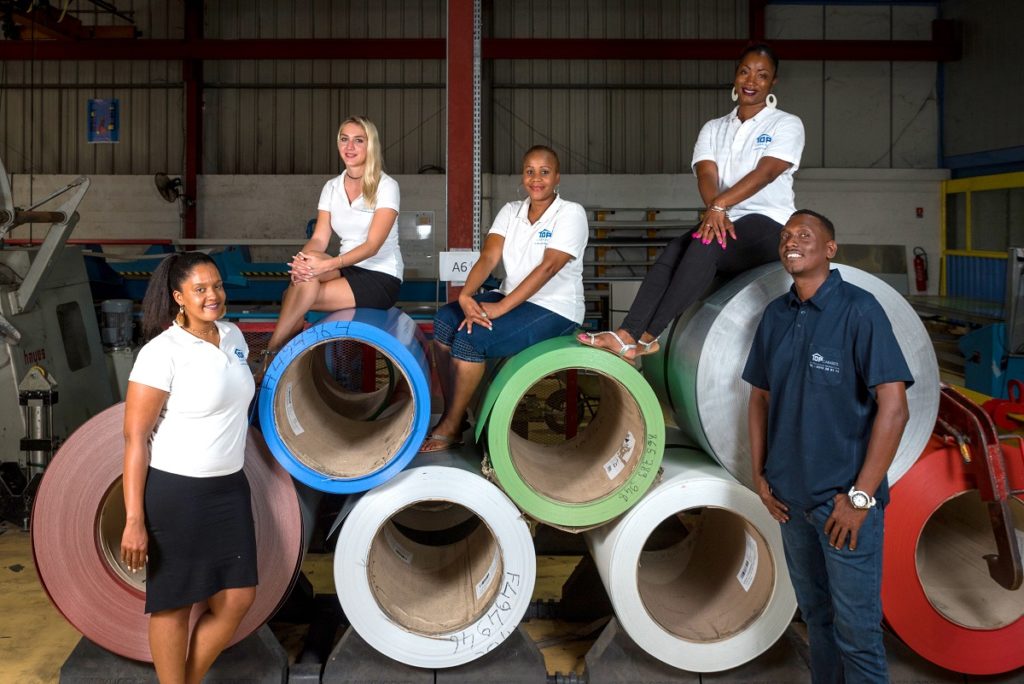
(994, 354)
(245, 280)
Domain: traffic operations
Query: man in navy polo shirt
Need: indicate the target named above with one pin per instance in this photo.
(828, 405)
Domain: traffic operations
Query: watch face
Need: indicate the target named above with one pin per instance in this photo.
(859, 500)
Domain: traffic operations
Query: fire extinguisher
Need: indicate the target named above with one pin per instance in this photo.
(921, 268)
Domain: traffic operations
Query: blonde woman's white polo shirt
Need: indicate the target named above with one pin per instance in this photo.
(351, 222)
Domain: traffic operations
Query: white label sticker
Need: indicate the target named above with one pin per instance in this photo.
(453, 267)
(289, 411)
(613, 467)
(749, 568)
(628, 445)
(400, 551)
(488, 577)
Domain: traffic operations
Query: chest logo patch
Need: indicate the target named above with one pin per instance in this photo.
(824, 365)
(239, 354)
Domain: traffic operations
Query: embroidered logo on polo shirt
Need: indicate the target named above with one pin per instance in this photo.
(820, 363)
(239, 354)
(762, 141)
(543, 236)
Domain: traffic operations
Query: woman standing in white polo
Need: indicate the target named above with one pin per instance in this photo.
(187, 502)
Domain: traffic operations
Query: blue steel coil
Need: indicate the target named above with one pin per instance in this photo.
(329, 437)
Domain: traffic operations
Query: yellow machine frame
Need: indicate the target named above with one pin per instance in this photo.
(967, 186)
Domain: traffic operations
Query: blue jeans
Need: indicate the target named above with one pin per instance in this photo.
(523, 326)
(839, 594)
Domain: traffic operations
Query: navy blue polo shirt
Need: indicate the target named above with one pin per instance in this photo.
(821, 359)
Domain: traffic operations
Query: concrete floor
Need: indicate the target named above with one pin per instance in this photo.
(35, 639)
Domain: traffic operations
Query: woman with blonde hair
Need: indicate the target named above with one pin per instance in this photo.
(361, 206)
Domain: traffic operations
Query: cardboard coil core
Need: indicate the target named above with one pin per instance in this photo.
(437, 566)
(331, 435)
(597, 474)
(696, 571)
(937, 595)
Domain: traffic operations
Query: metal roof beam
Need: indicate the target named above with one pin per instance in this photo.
(944, 46)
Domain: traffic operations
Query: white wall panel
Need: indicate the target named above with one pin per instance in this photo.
(876, 206)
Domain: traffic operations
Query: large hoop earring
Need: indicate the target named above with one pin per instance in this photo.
(735, 96)
(180, 318)
(771, 101)
(556, 188)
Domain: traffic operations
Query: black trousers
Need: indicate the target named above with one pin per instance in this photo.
(686, 267)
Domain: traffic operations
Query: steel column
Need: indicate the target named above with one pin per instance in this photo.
(459, 166)
(192, 73)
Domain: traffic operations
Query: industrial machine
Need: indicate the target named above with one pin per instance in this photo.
(50, 338)
(995, 353)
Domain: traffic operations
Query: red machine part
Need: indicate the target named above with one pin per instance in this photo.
(1001, 410)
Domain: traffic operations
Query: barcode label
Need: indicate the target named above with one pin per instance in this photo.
(289, 411)
(613, 467)
(400, 551)
(488, 577)
(628, 445)
(748, 570)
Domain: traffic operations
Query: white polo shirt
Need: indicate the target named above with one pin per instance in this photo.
(201, 430)
(737, 146)
(563, 226)
(352, 222)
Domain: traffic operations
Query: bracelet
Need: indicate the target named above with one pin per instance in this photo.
(715, 207)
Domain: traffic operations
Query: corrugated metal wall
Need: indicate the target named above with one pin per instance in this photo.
(608, 116)
(984, 86)
(976, 277)
(282, 117)
(43, 104)
(620, 116)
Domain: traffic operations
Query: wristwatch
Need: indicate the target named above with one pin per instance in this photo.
(859, 499)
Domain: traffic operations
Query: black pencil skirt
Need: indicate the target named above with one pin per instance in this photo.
(372, 289)
(201, 538)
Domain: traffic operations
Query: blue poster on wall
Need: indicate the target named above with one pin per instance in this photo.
(104, 121)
